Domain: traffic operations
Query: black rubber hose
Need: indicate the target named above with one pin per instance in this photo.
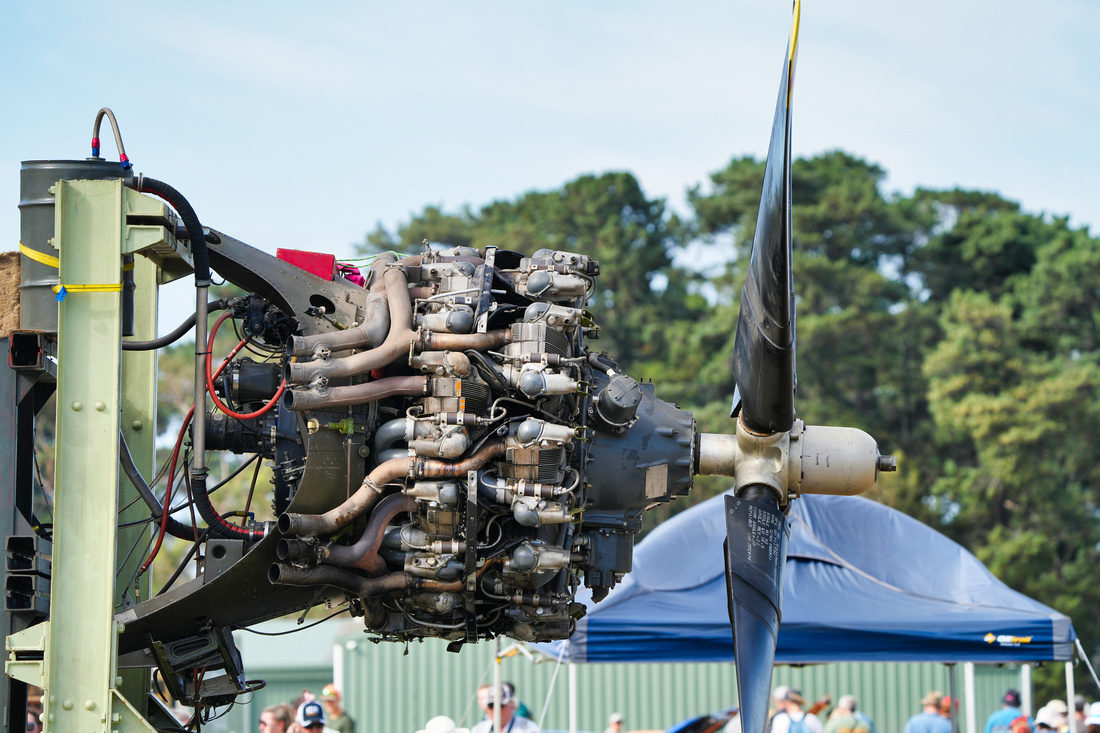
(176, 335)
(190, 222)
(219, 528)
(173, 526)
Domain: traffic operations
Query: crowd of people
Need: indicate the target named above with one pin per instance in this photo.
(514, 715)
(307, 714)
(790, 714)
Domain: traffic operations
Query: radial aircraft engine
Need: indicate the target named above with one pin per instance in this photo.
(452, 454)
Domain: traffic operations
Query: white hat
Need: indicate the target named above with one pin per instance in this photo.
(615, 718)
(442, 724)
(1048, 718)
(781, 692)
(486, 695)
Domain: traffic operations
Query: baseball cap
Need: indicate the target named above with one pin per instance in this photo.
(1012, 697)
(781, 692)
(310, 713)
(1058, 706)
(330, 693)
(795, 696)
(486, 696)
(1047, 718)
(615, 718)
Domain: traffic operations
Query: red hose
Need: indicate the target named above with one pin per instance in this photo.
(168, 492)
(183, 431)
(210, 377)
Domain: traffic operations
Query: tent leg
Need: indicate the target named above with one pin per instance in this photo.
(1025, 689)
(954, 692)
(497, 685)
(572, 698)
(971, 712)
(1070, 694)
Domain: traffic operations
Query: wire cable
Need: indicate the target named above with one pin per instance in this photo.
(294, 631)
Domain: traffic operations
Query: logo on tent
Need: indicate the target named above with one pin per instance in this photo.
(1007, 639)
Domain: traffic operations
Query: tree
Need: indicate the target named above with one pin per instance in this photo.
(607, 217)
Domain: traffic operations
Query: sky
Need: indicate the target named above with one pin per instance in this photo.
(295, 128)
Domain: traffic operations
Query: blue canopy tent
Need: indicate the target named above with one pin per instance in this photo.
(863, 582)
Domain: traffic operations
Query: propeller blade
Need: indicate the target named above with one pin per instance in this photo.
(763, 351)
(756, 550)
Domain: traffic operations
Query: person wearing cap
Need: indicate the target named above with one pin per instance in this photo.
(614, 723)
(1092, 720)
(275, 719)
(1048, 720)
(310, 719)
(929, 719)
(1056, 711)
(338, 718)
(793, 719)
(509, 721)
(779, 703)
(1001, 721)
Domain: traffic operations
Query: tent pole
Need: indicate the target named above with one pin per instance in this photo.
(497, 694)
(1070, 694)
(1025, 689)
(572, 698)
(954, 692)
(971, 712)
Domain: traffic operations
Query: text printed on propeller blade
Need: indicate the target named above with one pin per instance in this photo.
(764, 532)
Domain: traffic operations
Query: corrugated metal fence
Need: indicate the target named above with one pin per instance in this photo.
(389, 691)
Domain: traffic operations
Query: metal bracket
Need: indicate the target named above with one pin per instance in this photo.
(27, 654)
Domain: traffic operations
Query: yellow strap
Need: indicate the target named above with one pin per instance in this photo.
(117, 287)
(37, 256)
(45, 259)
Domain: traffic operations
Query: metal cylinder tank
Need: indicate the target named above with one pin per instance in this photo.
(37, 307)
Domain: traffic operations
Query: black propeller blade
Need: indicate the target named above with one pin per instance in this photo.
(763, 366)
(756, 548)
(763, 351)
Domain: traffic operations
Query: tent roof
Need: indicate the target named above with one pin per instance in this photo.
(863, 582)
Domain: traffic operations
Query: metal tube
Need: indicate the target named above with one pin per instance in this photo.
(397, 342)
(364, 553)
(355, 394)
(372, 331)
(282, 574)
(368, 494)
(434, 468)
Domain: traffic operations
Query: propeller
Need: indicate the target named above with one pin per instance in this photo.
(763, 367)
(773, 457)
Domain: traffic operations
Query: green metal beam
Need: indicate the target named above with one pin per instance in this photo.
(100, 390)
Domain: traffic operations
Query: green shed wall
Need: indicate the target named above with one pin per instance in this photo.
(389, 691)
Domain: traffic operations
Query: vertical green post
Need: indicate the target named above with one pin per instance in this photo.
(81, 652)
(138, 425)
